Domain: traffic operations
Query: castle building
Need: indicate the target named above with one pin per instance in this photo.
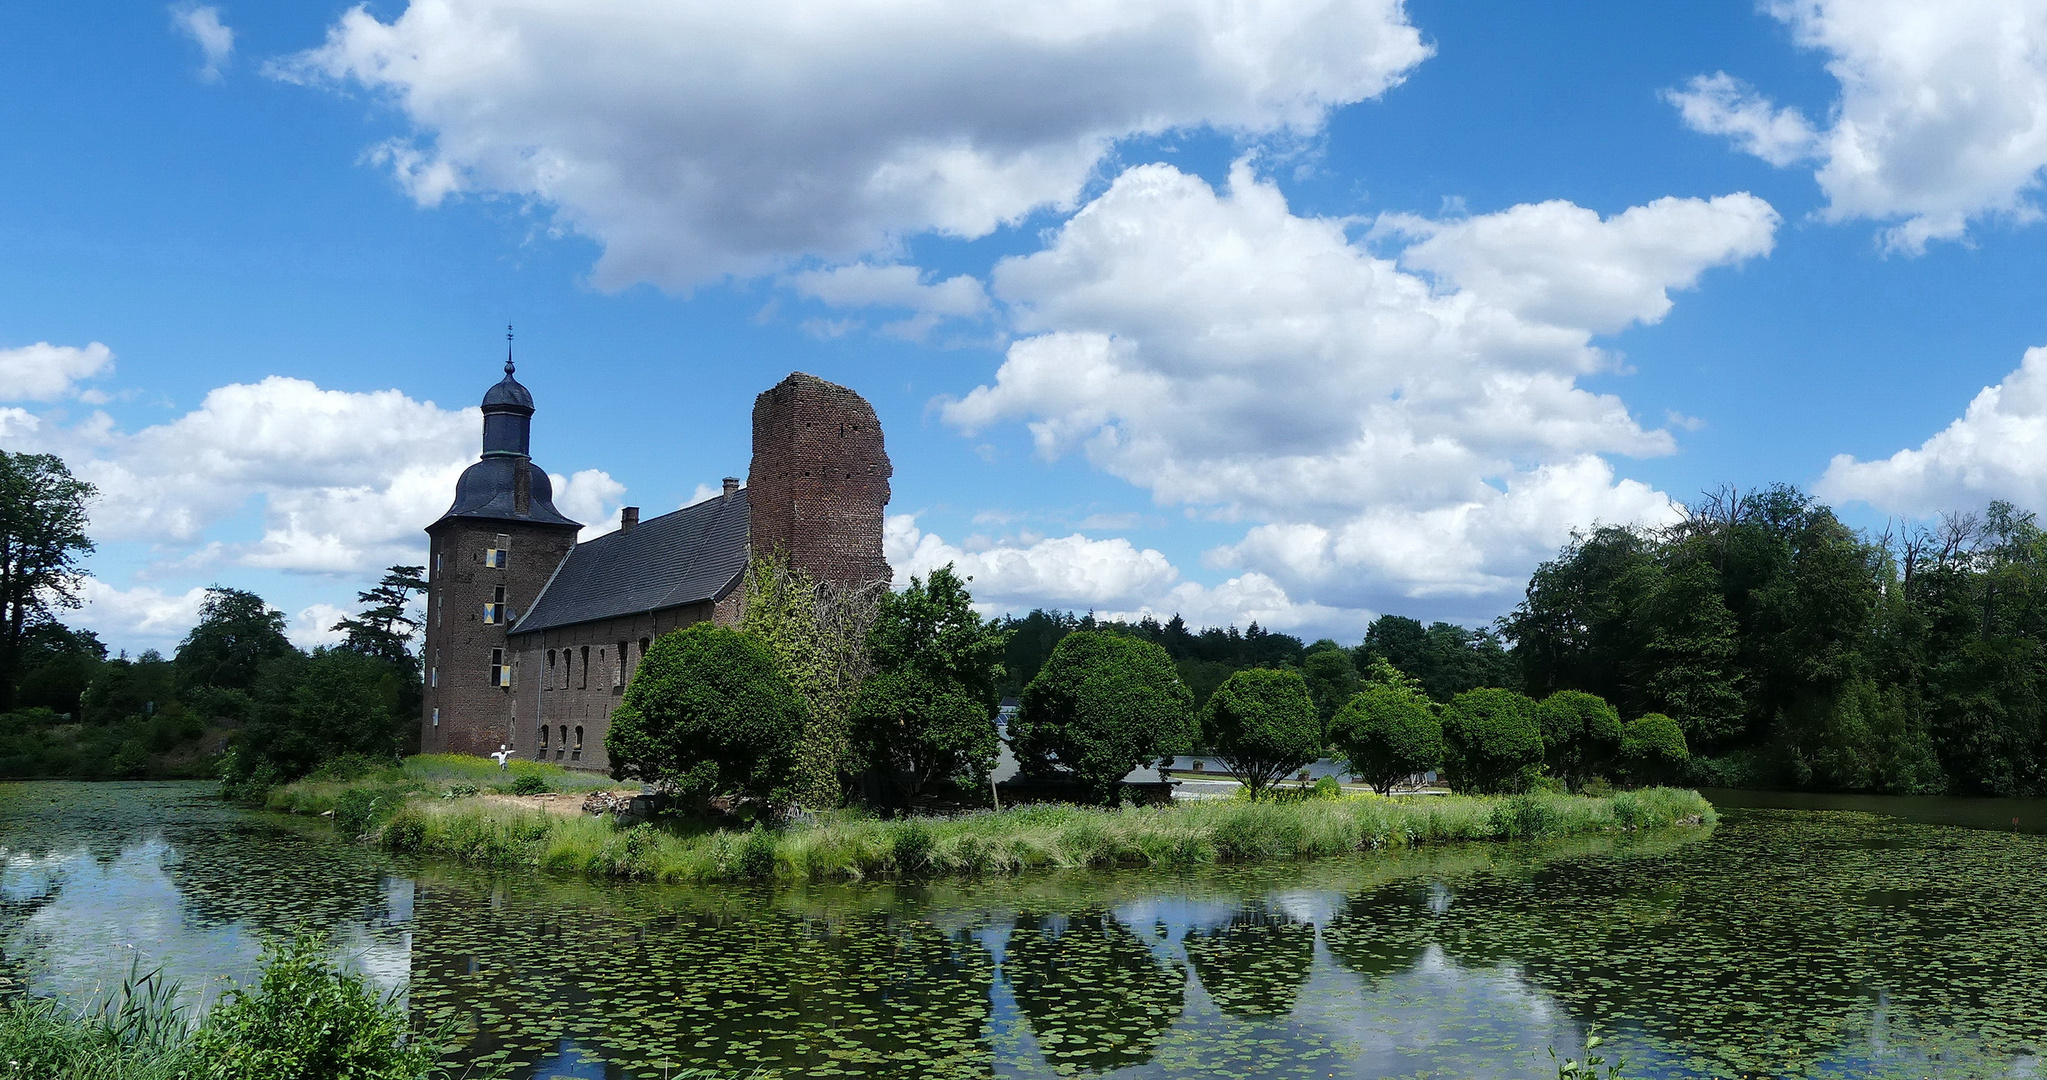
(532, 638)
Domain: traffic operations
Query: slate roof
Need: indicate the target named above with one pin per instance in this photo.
(696, 553)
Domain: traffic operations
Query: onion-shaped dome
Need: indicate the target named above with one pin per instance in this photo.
(508, 395)
(506, 484)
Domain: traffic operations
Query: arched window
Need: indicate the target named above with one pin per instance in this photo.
(564, 741)
(618, 676)
(585, 684)
(543, 741)
(576, 748)
(550, 669)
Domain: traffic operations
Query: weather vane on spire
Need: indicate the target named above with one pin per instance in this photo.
(508, 348)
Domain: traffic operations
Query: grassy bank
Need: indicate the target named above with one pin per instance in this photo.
(849, 847)
(433, 775)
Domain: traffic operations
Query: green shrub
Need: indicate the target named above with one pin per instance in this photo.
(1653, 749)
(305, 1020)
(1581, 735)
(707, 714)
(355, 811)
(1524, 817)
(1262, 723)
(1491, 741)
(757, 856)
(913, 727)
(1387, 733)
(530, 784)
(910, 847)
(1102, 705)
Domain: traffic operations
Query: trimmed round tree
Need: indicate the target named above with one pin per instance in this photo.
(707, 713)
(1102, 705)
(913, 729)
(1581, 734)
(1388, 733)
(1491, 740)
(1653, 749)
(1263, 724)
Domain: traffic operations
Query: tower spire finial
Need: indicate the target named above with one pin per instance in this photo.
(508, 349)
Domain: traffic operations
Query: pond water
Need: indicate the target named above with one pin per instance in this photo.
(1784, 942)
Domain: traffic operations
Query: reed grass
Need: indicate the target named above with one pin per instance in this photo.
(850, 847)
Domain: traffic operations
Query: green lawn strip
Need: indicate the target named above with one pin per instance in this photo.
(849, 846)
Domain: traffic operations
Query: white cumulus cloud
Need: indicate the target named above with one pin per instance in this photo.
(1941, 118)
(46, 372)
(1111, 577)
(699, 140)
(344, 482)
(144, 613)
(1400, 427)
(1997, 449)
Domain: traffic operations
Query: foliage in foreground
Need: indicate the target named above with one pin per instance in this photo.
(304, 1020)
(848, 847)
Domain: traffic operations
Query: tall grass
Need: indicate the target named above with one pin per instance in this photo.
(849, 847)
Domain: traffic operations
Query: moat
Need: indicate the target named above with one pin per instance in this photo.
(1873, 941)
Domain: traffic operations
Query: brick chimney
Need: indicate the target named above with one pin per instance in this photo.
(731, 484)
(628, 518)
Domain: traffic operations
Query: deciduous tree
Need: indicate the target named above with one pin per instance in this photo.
(708, 713)
(42, 537)
(1262, 724)
(1102, 705)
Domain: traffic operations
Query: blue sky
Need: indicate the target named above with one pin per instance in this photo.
(1296, 312)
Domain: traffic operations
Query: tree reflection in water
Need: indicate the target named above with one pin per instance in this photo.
(1096, 996)
(1256, 964)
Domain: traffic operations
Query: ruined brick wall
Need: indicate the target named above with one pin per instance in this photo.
(569, 679)
(818, 484)
(462, 712)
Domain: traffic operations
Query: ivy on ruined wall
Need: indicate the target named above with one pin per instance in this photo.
(817, 631)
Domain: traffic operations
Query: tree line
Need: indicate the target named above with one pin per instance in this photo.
(1796, 651)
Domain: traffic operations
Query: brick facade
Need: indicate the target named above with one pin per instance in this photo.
(818, 487)
(819, 480)
(463, 713)
(569, 679)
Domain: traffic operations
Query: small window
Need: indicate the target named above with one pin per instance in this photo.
(437, 717)
(585, 684)
(643, 648)
(494, 612)
(564, 742)
(618, 676)
(543, 741)
(500, 674)
(494, 558)
(576, 748)
(434, 677)
(549, 683)
(437, 564)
